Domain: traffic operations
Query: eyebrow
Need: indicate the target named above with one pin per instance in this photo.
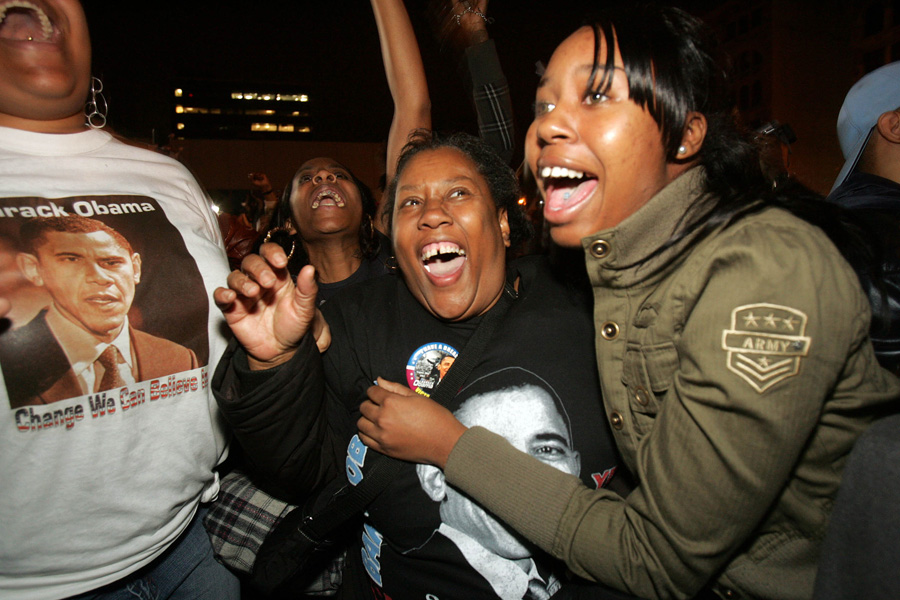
(585, 68)
(451, 181)
(552, 437)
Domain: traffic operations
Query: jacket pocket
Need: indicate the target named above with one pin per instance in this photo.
(647, 375)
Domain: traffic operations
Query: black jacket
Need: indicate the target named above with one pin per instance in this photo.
(874, 204)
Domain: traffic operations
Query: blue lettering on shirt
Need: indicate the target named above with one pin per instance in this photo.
(371, 551)
(356, 458)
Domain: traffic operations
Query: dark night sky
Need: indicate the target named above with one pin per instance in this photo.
(331, 47)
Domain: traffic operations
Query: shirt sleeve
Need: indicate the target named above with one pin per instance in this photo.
(281, 418)
(490, 92)
(720, 453)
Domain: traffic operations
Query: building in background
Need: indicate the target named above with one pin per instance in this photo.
(794, 62)
(225, 130)
(216, 110)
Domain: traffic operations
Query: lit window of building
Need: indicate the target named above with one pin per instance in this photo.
(220, 111)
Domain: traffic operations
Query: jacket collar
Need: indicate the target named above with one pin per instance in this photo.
(630, 246)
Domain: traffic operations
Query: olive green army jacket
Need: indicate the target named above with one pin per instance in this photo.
(736, 374)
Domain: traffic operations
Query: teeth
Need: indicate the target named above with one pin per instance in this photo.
(46, 25)
(441, 248)
(557, 172)
(338, 199)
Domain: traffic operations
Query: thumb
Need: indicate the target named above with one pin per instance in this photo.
(307, 289)
(303, 299)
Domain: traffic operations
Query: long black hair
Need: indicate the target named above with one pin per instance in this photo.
(674, 67)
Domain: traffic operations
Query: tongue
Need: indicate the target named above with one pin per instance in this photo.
(559, 198)
(441, 268)
(21, 24)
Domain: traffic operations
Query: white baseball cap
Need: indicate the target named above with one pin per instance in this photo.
(870, 97)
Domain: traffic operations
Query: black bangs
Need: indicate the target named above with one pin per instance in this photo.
(674, 67)
(603, 31)
(661, 64)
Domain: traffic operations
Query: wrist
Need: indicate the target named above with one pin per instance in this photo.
(447, 443)
(472, 13)
(478, 36)
(257, 364)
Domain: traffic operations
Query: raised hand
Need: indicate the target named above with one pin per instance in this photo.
(267, 312)
(260, 183)
(461, 23)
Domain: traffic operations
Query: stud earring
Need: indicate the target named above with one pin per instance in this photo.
(681, 149)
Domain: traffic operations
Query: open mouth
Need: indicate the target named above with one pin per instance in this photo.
(442, 259)
(24, 21)
(328, 198)
(565, 188)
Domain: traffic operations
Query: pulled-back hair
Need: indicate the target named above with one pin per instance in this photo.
(369, 240)
(500, 179)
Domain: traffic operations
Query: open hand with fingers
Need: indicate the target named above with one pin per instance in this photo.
(268, 313)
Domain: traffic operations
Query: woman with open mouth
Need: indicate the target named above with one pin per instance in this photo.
(107, 464)
(329, 218)
(454, 215)
(731, 335)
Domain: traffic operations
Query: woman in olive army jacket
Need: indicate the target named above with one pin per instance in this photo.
(731, 334)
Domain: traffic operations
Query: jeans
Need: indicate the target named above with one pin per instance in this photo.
(185, 571)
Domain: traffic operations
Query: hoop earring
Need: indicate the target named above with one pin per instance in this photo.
(96, 108)
(268, 239)
(391, 263)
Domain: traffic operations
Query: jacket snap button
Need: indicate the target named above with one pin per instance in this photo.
(609, 330)
(616, 420)
(599, 248)
(642, 396)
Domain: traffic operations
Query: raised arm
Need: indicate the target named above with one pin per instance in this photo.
(464, 24)
(406, 80)
(269, 385)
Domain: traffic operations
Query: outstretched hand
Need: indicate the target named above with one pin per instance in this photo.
(259, 182)
(267, 312)
(460, 23)
(400, 423)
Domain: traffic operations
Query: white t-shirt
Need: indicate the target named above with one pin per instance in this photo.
(95, 486)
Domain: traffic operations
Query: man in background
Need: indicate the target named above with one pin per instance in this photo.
(869, 185)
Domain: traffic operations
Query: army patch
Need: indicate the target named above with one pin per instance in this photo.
(765, 343)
